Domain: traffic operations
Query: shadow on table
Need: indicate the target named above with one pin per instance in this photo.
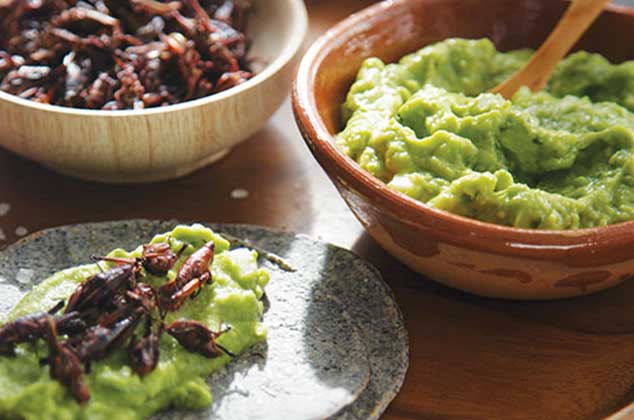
(565, 359)
(607, 312)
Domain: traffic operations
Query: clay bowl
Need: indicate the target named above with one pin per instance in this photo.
(162, 143)
(473, 256)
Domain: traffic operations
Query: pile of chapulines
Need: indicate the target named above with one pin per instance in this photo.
(122, 54)
(106, 311)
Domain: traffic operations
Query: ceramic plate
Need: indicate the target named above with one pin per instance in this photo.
(336, 348)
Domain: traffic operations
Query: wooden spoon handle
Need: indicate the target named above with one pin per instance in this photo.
(623, 414)
(536, 73)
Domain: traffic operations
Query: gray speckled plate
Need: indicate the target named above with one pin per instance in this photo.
(336, 348)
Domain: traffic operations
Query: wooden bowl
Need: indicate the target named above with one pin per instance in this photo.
(477, 257)
(162, 143)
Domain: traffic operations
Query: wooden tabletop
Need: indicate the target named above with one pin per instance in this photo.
(470, 357)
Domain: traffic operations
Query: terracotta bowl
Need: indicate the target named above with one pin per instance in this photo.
(162, 143)
(477, 257)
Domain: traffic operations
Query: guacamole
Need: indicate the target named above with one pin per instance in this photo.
(558, 159)
(234, 298)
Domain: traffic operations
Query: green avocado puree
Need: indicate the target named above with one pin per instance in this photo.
(26, 390)
(558, 159)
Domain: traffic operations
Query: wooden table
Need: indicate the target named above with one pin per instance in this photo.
(470, 357)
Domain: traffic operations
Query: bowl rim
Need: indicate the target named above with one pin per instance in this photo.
(298, 29)
(551, 244)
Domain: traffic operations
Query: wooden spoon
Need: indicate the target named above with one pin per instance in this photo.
(623, 414)
(536, 73)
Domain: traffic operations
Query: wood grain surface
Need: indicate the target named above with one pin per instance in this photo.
(470, 357)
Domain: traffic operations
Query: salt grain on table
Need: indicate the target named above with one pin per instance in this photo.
(4, 208)
(239, 194)
(2, 235)
(21, 231)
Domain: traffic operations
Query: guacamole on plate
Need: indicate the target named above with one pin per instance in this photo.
(558, 159)
(116, 392)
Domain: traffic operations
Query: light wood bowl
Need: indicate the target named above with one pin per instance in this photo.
(162, 143)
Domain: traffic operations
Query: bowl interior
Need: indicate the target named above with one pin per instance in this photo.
(270, 29)
(276, 30)
(392, 29)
